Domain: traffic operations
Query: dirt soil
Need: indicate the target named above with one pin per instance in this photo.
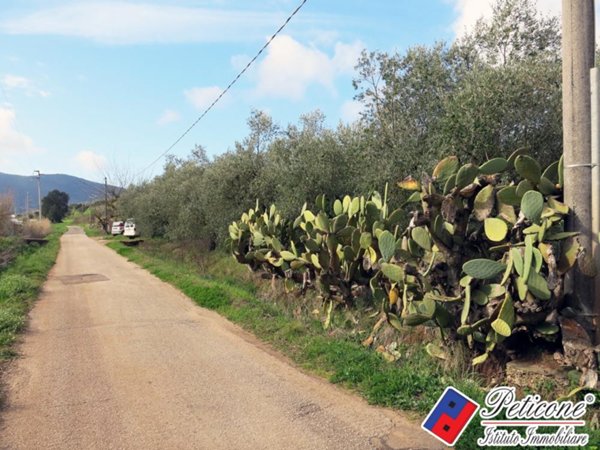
(115, 358)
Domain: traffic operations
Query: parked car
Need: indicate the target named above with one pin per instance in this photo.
(117, 228)
(130, 229)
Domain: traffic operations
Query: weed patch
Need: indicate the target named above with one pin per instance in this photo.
(14, 285)
(20, 282)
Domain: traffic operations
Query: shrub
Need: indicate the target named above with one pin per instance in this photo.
(6, 209)
(37, 228)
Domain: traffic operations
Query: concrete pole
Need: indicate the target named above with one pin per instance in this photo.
(106, 227)
(39, 194)
(578, 58)
(595, 96)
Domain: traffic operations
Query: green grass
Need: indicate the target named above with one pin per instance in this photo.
(413, 383)
(92, 231)
(19, 286)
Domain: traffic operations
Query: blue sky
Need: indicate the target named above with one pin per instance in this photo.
(106, 86)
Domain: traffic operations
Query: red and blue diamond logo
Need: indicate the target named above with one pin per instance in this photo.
(450, 416)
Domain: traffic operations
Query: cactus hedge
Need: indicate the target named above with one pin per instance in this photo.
(478, 251)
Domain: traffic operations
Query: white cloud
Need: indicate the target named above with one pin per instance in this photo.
(238, 62)
(15, 82)
(346, 56)
(350, 111)
(10, 81)
(323, 37)
(202, 97)
(469, 11)
(168, 116)
(123, 22)
(291, 67)
(90, 161)
(13, 144)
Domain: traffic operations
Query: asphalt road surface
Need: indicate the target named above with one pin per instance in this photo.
(116, 359)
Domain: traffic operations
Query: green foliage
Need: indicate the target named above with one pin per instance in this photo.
(483, 269)
(258, 239)
(492, 91)
(196, 199)
(473, 280)
(11, 322)
(508, 271)
(19, 284)
(13, 285)
(515, 32)
(55, 205)
(334, 248)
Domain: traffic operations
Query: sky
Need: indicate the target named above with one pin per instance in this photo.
(94, 87)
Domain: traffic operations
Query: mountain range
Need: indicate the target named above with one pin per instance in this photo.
(21, 187)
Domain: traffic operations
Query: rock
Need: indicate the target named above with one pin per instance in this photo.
(537, 371)
(578, 351)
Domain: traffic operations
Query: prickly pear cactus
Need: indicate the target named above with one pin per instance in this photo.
(487, 256)
(484, 254)
(260, 238)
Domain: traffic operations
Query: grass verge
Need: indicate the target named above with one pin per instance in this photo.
(413, 383)
(92, 231)
(19, 286)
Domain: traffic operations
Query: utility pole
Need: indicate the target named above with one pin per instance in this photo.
(578, 58)
(595, 97)
(105, 205)
(39, 194)
(27, 205)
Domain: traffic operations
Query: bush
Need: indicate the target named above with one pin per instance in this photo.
(6, 209)
(82, 218)
(37, 228)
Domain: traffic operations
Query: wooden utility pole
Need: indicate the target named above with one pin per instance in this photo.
(578, 58)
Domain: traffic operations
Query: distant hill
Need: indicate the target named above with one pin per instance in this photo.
(79, 189)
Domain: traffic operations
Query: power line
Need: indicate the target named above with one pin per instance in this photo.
(237, 77)
(93, 188)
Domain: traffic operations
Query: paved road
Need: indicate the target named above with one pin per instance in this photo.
(116, 359)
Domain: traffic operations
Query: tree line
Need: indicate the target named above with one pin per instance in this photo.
(492, 91)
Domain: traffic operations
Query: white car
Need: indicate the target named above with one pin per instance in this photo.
(130, 229)
(117, 228)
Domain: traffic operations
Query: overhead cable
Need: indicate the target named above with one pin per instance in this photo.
(216, 100)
